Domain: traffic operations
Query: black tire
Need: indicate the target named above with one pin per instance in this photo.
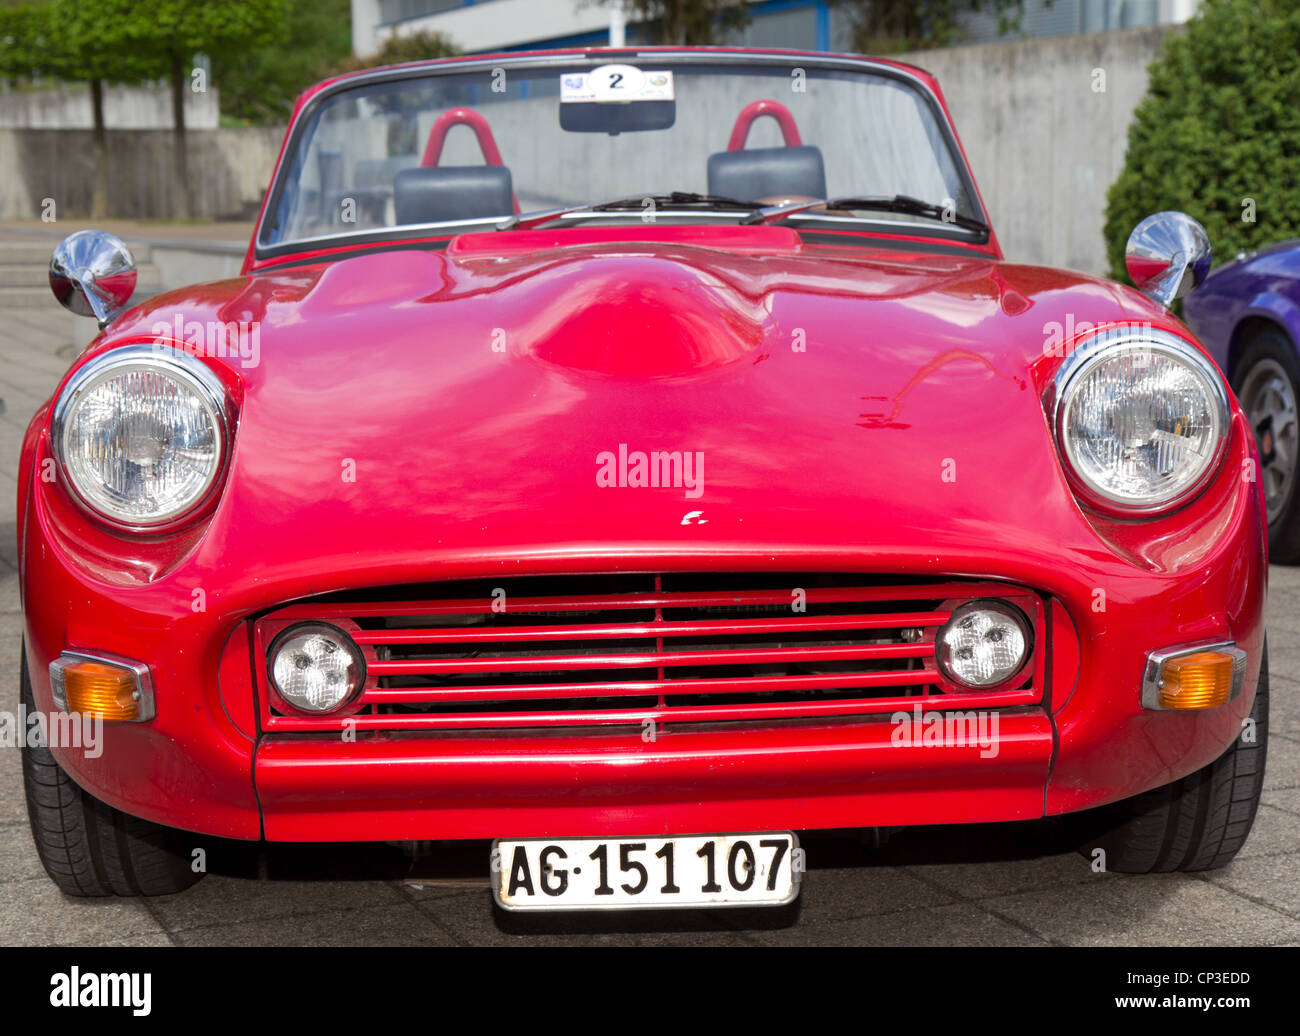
(1198, 823)
(1270, 350)
(87, 847)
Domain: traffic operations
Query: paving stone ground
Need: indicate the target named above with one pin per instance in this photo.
(984, 885)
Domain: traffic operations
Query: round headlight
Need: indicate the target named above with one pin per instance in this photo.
(140, 435)
(316, 668)
(983, 644)
(1141, 417)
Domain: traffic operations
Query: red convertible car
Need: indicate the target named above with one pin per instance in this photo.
(636, 458)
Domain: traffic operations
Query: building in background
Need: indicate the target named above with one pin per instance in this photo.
(490, 25)
(1061, 17)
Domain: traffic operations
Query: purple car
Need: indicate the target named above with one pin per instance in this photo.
(1247, 313)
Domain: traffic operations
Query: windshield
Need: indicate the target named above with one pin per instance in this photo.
(678, 139)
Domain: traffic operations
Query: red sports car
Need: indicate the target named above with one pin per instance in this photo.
(636, 458)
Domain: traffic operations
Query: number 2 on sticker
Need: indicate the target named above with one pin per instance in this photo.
(616, 81)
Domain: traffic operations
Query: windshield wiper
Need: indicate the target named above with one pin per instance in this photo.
(673, 200)
(758, 213)
(679, 200)
(884, 203)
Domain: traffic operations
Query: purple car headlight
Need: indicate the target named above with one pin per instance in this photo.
(1141, 419)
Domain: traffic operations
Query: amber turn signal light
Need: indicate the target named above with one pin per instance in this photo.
(1199, 681)
(1194, 678)
(111, 689)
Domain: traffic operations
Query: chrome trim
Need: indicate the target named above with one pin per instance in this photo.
(1151, 672)
(1099, 346)
(487, 223)
(174, 362)
(143, 681)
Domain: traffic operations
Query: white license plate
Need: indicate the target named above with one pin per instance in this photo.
(757, 869)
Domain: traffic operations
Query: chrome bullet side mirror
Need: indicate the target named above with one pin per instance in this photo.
(92, 273)
(1167, 255)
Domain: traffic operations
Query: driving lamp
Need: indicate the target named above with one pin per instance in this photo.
(316, 668)
(983, 644)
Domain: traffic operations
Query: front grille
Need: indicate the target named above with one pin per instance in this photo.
(645, 650)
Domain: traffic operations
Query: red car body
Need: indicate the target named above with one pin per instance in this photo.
(905, 444)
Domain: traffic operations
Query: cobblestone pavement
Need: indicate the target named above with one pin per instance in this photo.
(1000, 884)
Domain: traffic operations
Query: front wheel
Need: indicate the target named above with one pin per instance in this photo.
(1267, 381)
(1195, 824)
(87, 847)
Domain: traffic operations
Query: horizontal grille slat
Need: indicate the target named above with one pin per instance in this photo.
(675, 714)
(602, 650)
(461, 635)
(614, 602)
(633, 688)
(734, 656)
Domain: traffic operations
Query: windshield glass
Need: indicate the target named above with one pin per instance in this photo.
(469, 149)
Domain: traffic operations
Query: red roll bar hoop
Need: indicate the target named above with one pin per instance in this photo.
(757, 109)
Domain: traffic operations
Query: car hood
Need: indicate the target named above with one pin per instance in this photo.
(488, 402)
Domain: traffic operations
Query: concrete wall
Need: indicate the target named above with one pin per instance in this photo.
(230, 169)
(181, 263)
(1045, 146)
(125, 107)
(483, 26)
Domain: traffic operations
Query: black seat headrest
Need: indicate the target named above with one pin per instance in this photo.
(437, 194)
(766, 172)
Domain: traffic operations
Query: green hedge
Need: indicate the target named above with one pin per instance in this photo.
(1220, 124)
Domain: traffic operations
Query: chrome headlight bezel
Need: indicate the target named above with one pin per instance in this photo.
(172, 363)
(1101, 347)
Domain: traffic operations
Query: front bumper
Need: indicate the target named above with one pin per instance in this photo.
(415, 787)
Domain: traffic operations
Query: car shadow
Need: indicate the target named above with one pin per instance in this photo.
(463, 865)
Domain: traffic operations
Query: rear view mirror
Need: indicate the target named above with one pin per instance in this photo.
(615, 117)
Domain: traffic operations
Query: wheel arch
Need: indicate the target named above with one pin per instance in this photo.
(1266, 312)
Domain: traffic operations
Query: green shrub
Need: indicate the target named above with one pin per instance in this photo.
(1218, 128)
